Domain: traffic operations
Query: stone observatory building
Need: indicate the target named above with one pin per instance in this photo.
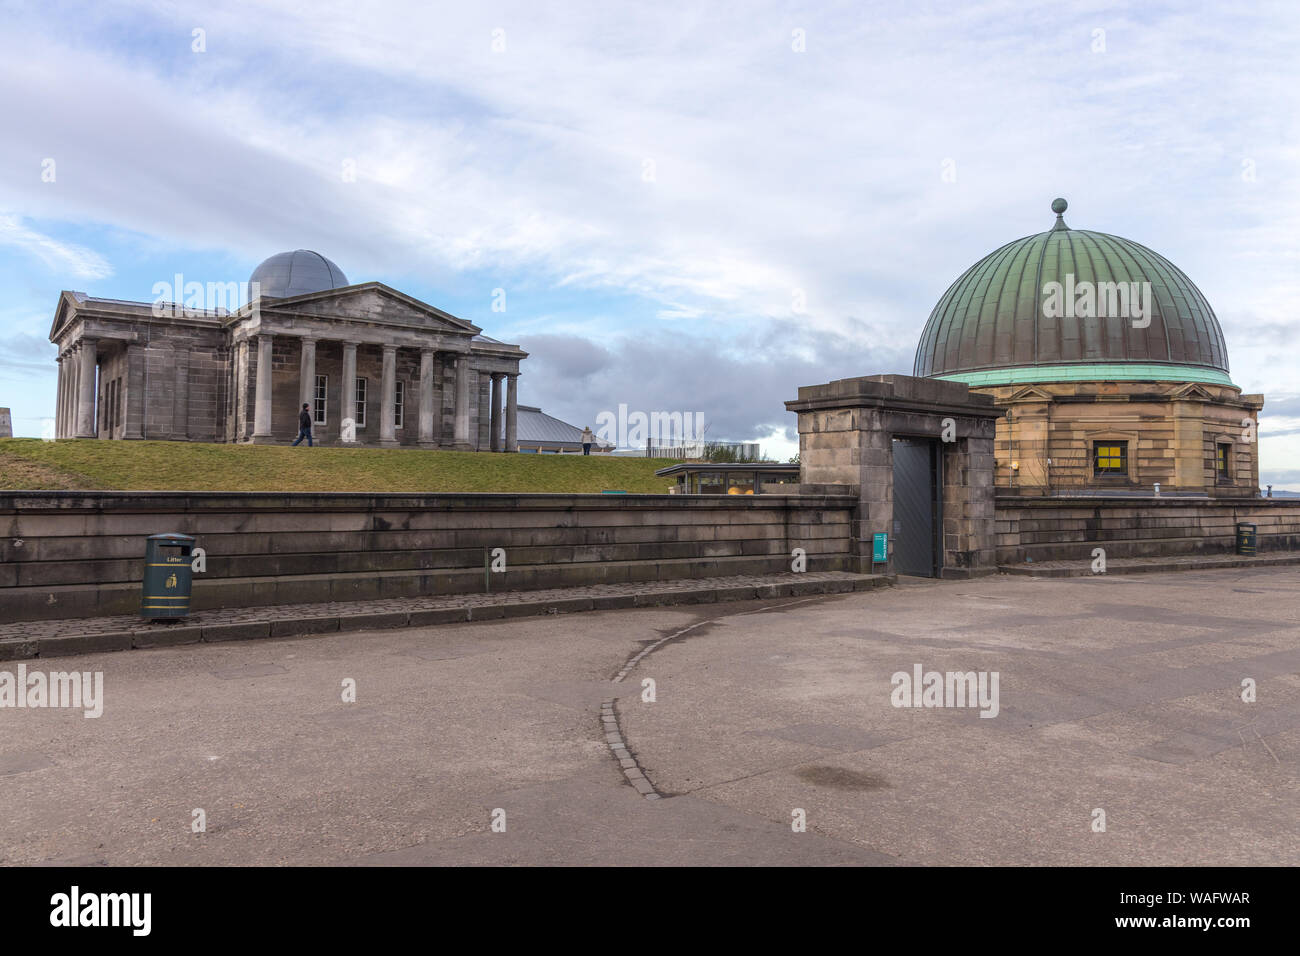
(374, 365)
(1110, 366)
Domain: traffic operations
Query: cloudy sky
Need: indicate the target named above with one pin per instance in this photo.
(690, 206)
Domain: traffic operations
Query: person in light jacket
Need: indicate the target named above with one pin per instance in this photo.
(587, 439)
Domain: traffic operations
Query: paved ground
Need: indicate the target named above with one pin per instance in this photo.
(1115, 693)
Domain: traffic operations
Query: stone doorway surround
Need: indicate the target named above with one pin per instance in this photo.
(846, 432)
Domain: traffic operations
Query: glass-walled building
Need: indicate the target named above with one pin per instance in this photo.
(706, 478)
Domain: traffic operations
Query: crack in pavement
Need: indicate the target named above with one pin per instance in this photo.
(612, 728)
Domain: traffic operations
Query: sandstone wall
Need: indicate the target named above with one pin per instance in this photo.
(72, 554)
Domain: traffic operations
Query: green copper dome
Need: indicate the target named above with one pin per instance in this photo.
(1118, 311)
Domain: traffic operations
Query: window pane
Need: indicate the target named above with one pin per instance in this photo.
(710, 483)
(1110, 458)
(740, 483)
(773, 484)
(397, 410)
(361, 403)
(318, 410)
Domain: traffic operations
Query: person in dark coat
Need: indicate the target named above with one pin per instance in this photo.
(304, 426)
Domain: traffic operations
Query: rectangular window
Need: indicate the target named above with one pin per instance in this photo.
(397, 406)
(740, 483)
(117, 394)
(710, 483)
(777, 484)
(1223, 455)
(318, 399)
(361, 403)
(1110, 458)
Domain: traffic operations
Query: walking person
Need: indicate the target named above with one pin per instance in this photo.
(304, 426)
(587, 439)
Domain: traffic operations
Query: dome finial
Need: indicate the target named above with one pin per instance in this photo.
(1059, 206)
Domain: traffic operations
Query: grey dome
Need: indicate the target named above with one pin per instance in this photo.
(297, 273)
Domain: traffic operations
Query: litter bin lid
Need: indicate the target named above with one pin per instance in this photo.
(170, 536)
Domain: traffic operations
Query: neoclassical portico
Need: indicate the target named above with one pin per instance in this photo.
(374, 366)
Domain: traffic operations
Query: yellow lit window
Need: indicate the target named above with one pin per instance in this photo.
(1110, 458)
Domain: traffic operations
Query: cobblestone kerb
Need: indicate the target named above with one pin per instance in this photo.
(1084, 567)
(56, 638)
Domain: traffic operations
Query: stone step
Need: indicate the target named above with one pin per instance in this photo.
(86, 600)
(57, 638)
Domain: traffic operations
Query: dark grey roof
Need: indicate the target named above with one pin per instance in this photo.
(535, 426)
(297, 273)
(762, 467)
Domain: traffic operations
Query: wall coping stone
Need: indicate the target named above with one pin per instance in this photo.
(35, 501)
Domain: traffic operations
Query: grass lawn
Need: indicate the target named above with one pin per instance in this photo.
(30, 463)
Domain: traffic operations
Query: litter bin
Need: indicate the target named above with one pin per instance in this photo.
(166, 591)
(1245, 538)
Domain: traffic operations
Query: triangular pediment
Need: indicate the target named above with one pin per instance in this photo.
(63, 314)
(1191, 392)
(371, 302)
(1030, 393)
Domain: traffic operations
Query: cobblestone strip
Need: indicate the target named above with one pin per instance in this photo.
(1203, 562)
(613, 731)
(618, 747)
(54, 638)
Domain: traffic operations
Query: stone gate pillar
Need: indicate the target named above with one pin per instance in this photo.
(846, 434)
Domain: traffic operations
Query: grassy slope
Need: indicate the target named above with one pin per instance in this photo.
(29, 463)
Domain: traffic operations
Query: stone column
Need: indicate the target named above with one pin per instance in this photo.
(59, 401)
(426, 398)
(512, 412)
(262, 391)
(494, 434)
(388, 393)
(463, 375)
(70, 393)
(348, 393)
(86, 390)
(307, 374)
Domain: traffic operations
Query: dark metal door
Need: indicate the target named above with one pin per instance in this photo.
(916, 507)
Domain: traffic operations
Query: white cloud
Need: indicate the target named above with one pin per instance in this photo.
(61, 258)
(772, 170)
